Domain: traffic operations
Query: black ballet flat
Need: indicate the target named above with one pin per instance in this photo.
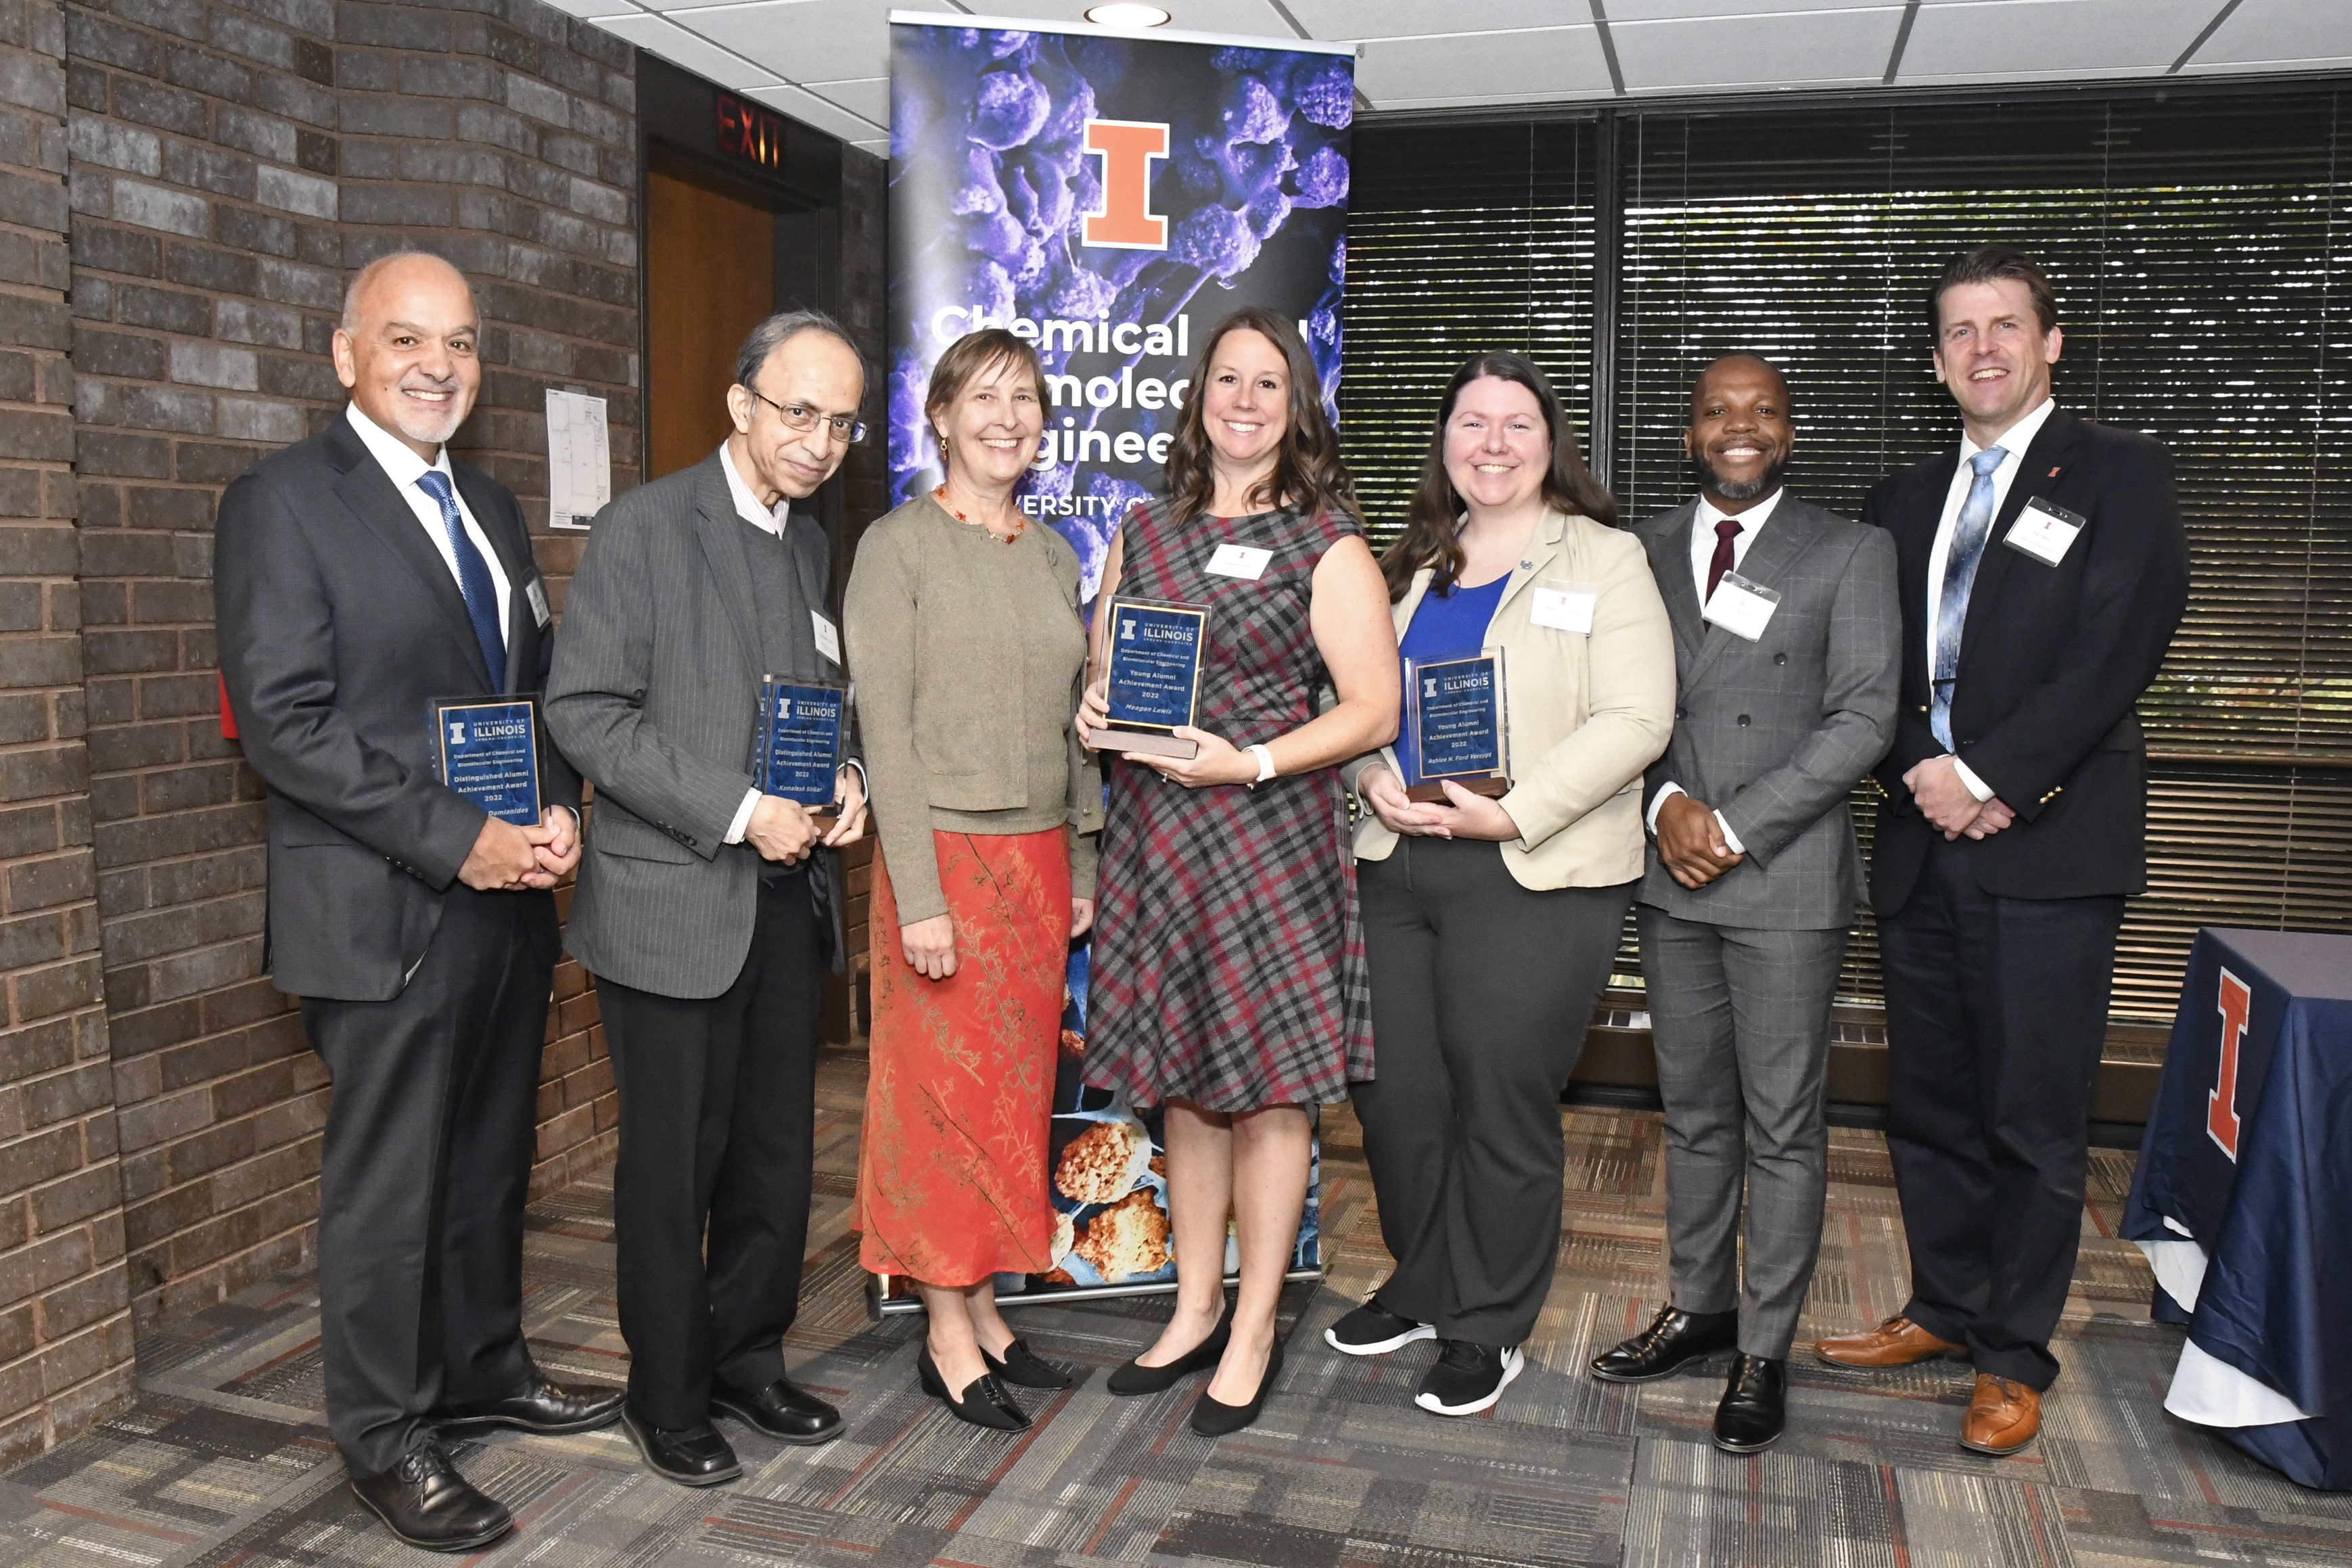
(985, 1403)
(1020, 1367)
(1133, 1377)
(1214, 1418)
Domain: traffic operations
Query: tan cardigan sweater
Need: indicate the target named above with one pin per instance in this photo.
(1588, 713)
(969, 658)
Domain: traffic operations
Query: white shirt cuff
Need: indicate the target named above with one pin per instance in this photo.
(1731, 839)
(743, 823)
(1977, 786)
(1665, 792)
(859, 768)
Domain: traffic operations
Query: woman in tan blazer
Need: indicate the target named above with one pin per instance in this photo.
(1490, 923)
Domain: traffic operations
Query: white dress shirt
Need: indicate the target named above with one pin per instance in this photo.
(405, 467)
(2012, 442)
(1702, 553)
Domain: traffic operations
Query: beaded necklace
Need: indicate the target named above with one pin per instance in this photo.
(1020, 526)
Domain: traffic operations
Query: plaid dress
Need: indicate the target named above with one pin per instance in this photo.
(1228, 954)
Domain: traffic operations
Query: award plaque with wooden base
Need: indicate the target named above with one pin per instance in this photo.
(1155, 648)
(1459, 723)
(802, 724)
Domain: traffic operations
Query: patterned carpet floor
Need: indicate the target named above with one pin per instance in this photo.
(225, 1459)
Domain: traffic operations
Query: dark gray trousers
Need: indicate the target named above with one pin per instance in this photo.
(1739, 1018)
(423, 1173)
(1482, 989)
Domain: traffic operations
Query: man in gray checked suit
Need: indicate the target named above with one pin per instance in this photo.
(707, 909)
(1786, 691)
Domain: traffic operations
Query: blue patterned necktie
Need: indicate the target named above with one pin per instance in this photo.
(1960, 577)
(473, 577)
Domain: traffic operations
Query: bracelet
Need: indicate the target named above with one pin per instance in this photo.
(1265, 763)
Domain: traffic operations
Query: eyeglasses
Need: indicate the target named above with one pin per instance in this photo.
(802, 418)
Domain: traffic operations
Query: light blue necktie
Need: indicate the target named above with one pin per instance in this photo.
(1960, 577)
(473, 577)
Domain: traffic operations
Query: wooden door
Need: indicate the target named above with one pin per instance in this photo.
(710, 277)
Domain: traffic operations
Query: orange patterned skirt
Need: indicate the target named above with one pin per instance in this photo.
(952, 1180)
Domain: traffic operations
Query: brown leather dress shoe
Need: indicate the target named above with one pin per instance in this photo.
(2003, 1417)
(1898, 1341)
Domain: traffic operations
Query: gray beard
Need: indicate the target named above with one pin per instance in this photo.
(1713, 483)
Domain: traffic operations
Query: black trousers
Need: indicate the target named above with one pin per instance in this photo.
(422, 1178)
(717, 1131)
(1996, 1012)
(1481, 992)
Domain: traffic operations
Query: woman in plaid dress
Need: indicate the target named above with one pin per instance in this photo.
(1228, 980)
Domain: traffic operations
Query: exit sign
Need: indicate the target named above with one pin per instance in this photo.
(749, 133)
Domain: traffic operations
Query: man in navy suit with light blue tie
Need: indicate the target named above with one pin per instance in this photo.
(359, 575)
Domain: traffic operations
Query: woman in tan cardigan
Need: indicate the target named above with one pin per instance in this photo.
(965, 642)
(1490, 923)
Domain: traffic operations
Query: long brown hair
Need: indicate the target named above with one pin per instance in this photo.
(1435, 510)
(1308, 473)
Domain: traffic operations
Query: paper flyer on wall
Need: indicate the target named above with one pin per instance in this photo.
(579, 459)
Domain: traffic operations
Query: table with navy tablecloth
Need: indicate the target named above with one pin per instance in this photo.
(2242, 1200)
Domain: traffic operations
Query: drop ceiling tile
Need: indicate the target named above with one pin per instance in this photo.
(2029, 40)
(1701, 10)
(800, 40)
(590, 9)
(1350, 19)
(1530, 67)
(1244, 18)
(690, 50)
(2286, 33)
(810, 110)
(869, 99)
(1786, 50)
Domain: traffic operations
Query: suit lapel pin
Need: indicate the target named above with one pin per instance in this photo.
(2053, 473)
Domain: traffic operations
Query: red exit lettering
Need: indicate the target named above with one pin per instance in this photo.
(749, 133)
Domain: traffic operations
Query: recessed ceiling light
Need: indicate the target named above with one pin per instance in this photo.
(1124, 15)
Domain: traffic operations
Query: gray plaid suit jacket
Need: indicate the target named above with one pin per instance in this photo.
(1775, 733)
(654, 698)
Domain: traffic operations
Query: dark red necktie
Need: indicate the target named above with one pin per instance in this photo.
(1725, 532)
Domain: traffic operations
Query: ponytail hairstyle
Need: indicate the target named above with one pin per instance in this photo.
(1308, 473)
(1434, 512)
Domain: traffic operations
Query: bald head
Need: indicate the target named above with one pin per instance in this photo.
(1740, 431)
(408, 348)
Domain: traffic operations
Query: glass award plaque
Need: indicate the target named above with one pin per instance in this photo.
(1460, 725)
(802, 726)
(486, 748)
(1155, 649)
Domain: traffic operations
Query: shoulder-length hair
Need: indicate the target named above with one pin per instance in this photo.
(1435, 510)
(989, 348)
(1308, 473)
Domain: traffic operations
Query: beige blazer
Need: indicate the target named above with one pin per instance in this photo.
(1588, 712)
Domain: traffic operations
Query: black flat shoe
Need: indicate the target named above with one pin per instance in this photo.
(690, 1455)
(1020, 1367)
(547, 1407)
(1133, 1377)
(1755, 1406)
(1673, 1339)
(985, 1402)
(783, 1410)
(1214, 1418)
(425, 1502)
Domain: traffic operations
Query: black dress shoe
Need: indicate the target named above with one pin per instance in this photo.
(1673, 1339)
(1020, 1367)
(1755, 1406)
(1214, 1418)
(783, 1410)
(983, 1402)
(426, 1503)
(690, 1455)
(1133, 1377)
(546, 1407)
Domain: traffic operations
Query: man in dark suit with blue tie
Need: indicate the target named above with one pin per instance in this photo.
(2043, 569)
(359, 575)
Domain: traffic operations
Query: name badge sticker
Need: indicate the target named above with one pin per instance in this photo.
(538, 592)
(1741, 607)
(1564, 606)
(1240, 560)
(828, 640)
(2044, 531)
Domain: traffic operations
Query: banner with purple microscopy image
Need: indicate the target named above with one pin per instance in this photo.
(1110, 196)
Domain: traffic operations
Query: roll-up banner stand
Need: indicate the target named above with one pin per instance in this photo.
(1109, 195)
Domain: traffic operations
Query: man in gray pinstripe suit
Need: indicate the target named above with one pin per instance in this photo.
(1787, 647)
(707, 909)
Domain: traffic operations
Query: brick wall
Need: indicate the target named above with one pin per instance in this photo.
(65, 1327)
